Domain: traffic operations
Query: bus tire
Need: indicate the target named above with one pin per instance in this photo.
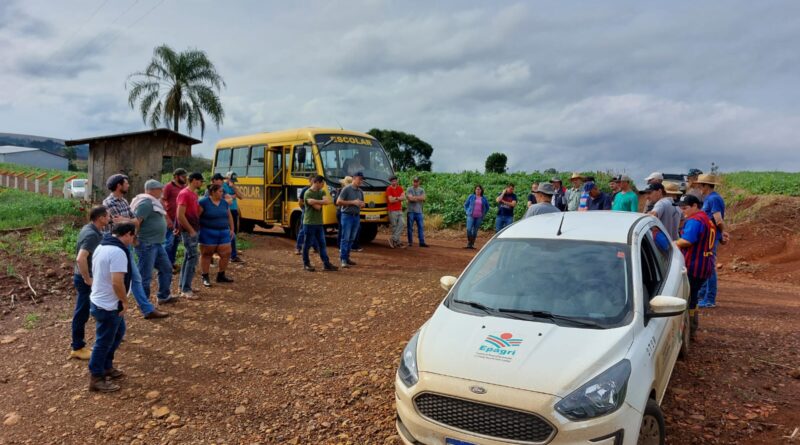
(294, 226)
(247, 225)
(368, 233)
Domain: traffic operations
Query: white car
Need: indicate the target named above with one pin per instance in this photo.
(77, 188)
(564, 329)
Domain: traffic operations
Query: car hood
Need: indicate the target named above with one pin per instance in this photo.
(532, 355)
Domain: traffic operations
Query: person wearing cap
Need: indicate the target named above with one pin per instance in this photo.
(714, 207)
(506, 202)
(351, 198)
(664, 209)
(597, 199)
(230, 189)
(188, 215)
(395, 195)
(696, 241)
(169, 198)
(416, 196)
(626, 200)
(532, 194)
(655, 177)
(150, 250)
(559, 199)
(692, 187)
(119, 212)
(575, 192)
(544, 196)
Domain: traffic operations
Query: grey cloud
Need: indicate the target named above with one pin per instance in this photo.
(67, 62)
(15, 22)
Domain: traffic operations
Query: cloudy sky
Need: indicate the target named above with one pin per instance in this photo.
(631, 86)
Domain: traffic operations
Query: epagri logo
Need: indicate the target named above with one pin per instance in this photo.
(502, 347)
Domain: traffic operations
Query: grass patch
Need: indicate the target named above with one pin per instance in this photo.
(764, 183)
(19, 209)
(31, 321)
(61, 240)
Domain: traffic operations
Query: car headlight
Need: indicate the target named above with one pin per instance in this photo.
(407, 371)
(601, 395)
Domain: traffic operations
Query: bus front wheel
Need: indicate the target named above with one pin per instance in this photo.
(247, 225)
(368, 233)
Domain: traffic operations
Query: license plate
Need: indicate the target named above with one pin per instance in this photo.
(449, 441)
(372, 217)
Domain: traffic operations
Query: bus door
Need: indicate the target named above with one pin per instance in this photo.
(274, 196)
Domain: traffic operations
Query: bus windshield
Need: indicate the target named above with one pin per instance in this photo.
(344, 155)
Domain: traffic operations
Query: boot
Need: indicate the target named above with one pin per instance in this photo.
(469, 242)
(221, 278)
(100, 384)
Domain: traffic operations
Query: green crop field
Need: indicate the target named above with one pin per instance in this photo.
(763, 183)
(19, 209)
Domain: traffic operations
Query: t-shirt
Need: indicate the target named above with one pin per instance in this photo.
(574, 198)
(351, 193)
(153, 228)
(312, 216)
(105, 261)
(395, 192)
(504, 207)
(88, 239)
(170, 196)
(228, 190)
(215, 216)
(626, 202)
(188, 198)
(699, 257)
(713, 204)
(669, 215)
(540, 209)
(601, 202)
(532, 198)
(415, 206)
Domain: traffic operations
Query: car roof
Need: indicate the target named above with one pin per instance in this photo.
(601, 226)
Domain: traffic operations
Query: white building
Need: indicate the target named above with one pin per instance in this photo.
(33, 157)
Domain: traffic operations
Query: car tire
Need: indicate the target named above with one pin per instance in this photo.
(651, 431)
(683, 353)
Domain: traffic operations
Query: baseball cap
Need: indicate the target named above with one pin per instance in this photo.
(653, 187)
(655, 175)
(115, 180)
(587, 186)
(152, 184)
(546, 188)
(555, 179)
(179, 172)
(232, 176)
(360, 174)
(689, 200)
(217, 176)
(694, 172)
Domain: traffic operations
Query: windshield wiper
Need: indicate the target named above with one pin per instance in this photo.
(377, 179)
(476, 305)
(552, 316)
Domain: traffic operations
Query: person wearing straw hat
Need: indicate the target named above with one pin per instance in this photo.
(575, 192)
(544, 198)
(714, 206)
(692, 187)
(664, 209)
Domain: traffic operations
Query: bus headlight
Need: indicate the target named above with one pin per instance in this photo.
(407, 371)
(601, 395)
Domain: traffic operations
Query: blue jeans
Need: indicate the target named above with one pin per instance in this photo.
(171, 245)
(189, 261)
(708, 293)
(502, 222)
(137, 289)
(154, 256)
(350, 226)
(109, 333)
(411, 218)
(301, 234)
(81, 314)
(473, 224)
(235, 215)
(315, 236)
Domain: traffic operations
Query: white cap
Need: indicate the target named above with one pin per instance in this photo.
(655, 175)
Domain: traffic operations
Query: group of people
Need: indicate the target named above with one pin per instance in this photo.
(121, 246)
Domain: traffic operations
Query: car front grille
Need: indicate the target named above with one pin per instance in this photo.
(486, 420)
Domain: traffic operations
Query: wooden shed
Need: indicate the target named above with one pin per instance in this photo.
(138, 155)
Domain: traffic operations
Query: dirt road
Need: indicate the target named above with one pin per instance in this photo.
(286, 356)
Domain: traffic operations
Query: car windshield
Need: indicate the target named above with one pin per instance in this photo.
(78, 182)
(571, 283)
(344, 155)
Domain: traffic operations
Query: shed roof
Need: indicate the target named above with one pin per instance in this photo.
(157, 132)
(8, 149)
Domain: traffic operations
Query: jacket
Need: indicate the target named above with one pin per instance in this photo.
(469, 205)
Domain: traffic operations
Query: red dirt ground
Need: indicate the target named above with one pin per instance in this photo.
(284, 356)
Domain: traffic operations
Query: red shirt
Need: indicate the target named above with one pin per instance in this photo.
(170, 196)
(394, 192)
(189, 199)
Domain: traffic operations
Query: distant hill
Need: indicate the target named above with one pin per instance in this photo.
(52, 145)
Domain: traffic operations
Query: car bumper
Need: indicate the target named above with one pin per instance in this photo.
(618, 428)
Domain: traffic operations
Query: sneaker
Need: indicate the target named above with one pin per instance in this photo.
(357, 249)
(710, 305)
(155, 315)
(309, 268)
(100, 384)
(222, 278)
(330, 268)
(169, 300)
(424, 245)
(351, 263)
(189, 295)
(237, 260)
(344, 265)
(206, 281)
(83, 353)
(298, 252)
(114, 374)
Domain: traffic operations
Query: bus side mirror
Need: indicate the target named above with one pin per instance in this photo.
(301, 154)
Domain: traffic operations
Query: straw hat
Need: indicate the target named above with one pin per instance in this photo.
(708, 179)
(671, 188)
(576, 175)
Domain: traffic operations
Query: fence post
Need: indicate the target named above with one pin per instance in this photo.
(50, 184)
(16, 181)
(38, 179)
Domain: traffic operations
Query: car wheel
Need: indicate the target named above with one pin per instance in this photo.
(652, 430)
(683, 354)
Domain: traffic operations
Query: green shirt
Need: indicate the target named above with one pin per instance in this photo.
(153, 229)
(626, 202)
(313, 217)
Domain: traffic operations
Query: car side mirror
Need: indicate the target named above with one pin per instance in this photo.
(447, 282)
(666, 306)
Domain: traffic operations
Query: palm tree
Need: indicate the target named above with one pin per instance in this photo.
(175, 87)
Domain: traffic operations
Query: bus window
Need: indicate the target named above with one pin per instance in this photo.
(239, 160)
(307, 167)
(256, 166)
(223, 161)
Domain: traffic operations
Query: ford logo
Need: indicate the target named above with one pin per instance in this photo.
(478, 389)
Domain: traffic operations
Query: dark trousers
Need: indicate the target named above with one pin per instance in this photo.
(81, 314)
(108, 336)
(695, 284)
(315, 237)
(235, 215)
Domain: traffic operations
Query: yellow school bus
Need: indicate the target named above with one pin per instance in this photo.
(273, 167)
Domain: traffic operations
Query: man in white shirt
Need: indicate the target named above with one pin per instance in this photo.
(111, 278)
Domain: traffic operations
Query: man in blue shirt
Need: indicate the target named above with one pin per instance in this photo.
(714, 207)
(506, 202)
(598, 200)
